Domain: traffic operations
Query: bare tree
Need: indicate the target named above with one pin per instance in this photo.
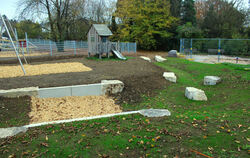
(100, 11)
(58, 12)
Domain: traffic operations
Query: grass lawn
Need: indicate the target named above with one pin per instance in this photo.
(216, 128)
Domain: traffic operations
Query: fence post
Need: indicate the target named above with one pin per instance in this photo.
(27, 43)
(135, 47)
(183, 46)
(74, 47)
(180, 44)
(191, 48)
(219, 50)
(128, 47)
(50, 48)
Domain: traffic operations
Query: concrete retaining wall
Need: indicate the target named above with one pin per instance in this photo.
(79, 90)
(107, 87)
(13, 93)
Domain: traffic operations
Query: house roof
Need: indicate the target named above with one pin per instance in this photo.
(102, 30)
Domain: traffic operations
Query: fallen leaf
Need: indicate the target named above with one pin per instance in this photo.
(106, 130)
(45, 144)
(210, 148)
(46, 138)
(12, 156)
(237, 141)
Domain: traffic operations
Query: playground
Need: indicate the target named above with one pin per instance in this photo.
(215, 126)
(209, 127)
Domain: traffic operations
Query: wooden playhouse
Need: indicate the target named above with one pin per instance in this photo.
(98, 41)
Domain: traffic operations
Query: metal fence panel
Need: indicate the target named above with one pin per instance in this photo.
(206, 46)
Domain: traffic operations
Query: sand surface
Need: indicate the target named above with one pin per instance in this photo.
(41, 69)
(212, 59)
(52, 109)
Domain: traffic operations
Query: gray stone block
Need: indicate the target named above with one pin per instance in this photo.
(211, 80)
(8, 132)
(195, 94)
(112, 86)
(172, 53)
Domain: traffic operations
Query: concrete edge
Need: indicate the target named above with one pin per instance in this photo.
(81, 119)
(96, 89)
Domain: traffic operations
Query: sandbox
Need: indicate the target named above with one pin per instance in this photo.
(52, 109)
(42, 69)
(213, 59)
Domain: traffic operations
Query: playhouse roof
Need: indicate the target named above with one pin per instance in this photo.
(102, 30)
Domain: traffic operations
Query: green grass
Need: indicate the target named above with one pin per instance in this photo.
(218, 127)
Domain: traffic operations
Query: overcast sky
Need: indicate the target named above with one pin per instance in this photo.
(8, 7)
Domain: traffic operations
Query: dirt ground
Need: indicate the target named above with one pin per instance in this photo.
(52, 109)
(139, 76)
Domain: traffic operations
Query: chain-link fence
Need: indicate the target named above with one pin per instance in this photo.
(40, 47)
(231, 47)
(216, 50)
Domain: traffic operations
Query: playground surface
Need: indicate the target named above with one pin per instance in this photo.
(9, 71)
(213, 59)
(52, 109)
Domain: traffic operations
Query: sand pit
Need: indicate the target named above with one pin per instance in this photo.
(52, 109)
(42, 69)
(213, 59)
(13, 54)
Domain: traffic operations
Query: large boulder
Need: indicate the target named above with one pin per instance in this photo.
(172, 53)
(211, 80)
(195, 94)
(145, 58)
(170, 76)
(159, 58)
(112, 86)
